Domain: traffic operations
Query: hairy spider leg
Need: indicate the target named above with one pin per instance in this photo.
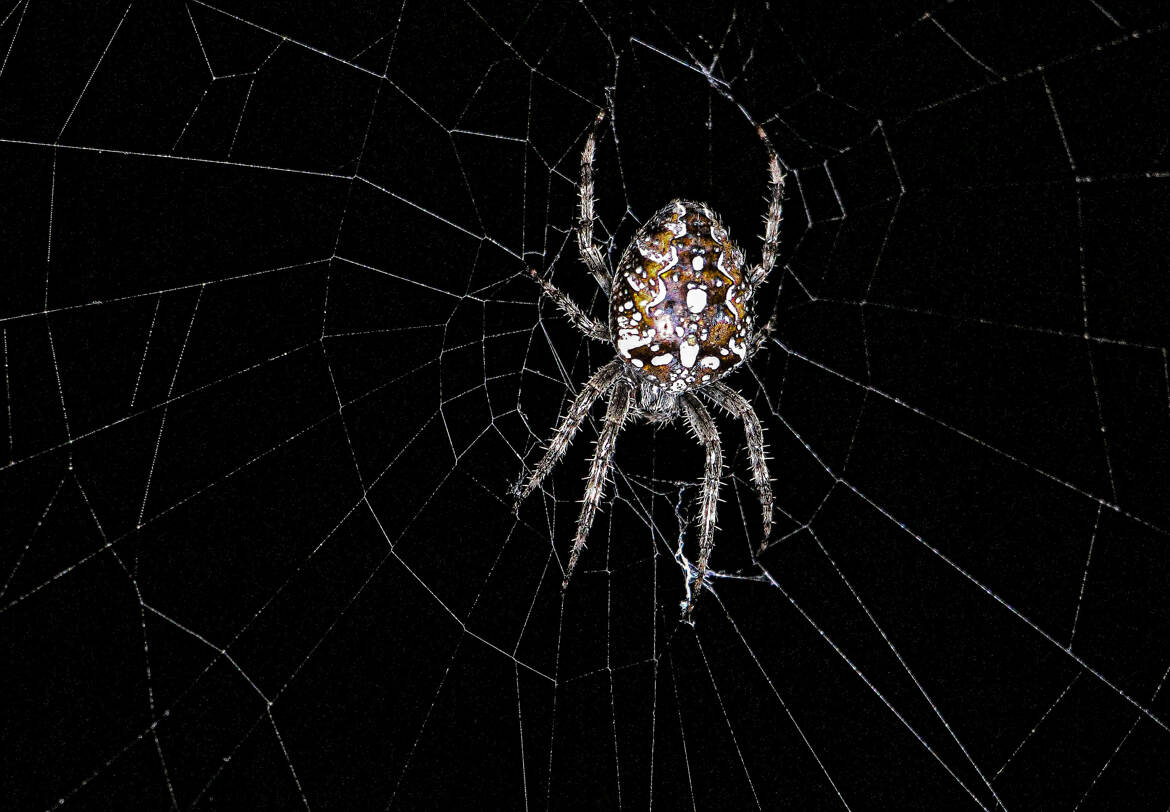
(700, 421)
(737, 405)
(590, 253)
(581, 320)
(761, 336)
(772, 219)
(615, 416)
(594, 388)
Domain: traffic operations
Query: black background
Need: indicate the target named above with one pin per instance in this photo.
(272, 366)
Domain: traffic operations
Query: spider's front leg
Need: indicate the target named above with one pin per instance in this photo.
(700, 421)
(736, 404)
(590, 253)
(771, 248)
(581, 320)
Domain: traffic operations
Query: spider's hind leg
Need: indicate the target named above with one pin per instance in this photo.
(594, 388)
(615, 416)
(700, 422)
(736, 404)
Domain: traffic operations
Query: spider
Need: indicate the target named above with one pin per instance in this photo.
(680, 319)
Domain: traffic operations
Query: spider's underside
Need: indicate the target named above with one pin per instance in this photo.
(680, 319)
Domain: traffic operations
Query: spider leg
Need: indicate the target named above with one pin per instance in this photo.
(736, 404)
(594, 388)
(700, 421)
(761, 336)
(581, 320)
(615, 416)
(590, 253)
(771, 247)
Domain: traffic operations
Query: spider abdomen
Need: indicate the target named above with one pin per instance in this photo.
(679, 309)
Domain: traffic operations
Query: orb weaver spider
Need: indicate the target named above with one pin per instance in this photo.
(680, 319)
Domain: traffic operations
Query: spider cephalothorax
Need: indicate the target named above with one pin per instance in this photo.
(680, 319)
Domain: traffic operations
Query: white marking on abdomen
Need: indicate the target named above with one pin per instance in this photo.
(664, 325)
(672, 260)
(687, 353)
(662, 360)
(729, 304)
(696, 300)
(629, 340)
(660, 294)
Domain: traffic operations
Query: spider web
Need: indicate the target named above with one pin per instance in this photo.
(272, 365)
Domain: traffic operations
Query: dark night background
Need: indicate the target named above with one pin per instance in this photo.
(272, 366)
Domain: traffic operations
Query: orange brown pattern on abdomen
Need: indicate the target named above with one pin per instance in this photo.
(679, 303)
